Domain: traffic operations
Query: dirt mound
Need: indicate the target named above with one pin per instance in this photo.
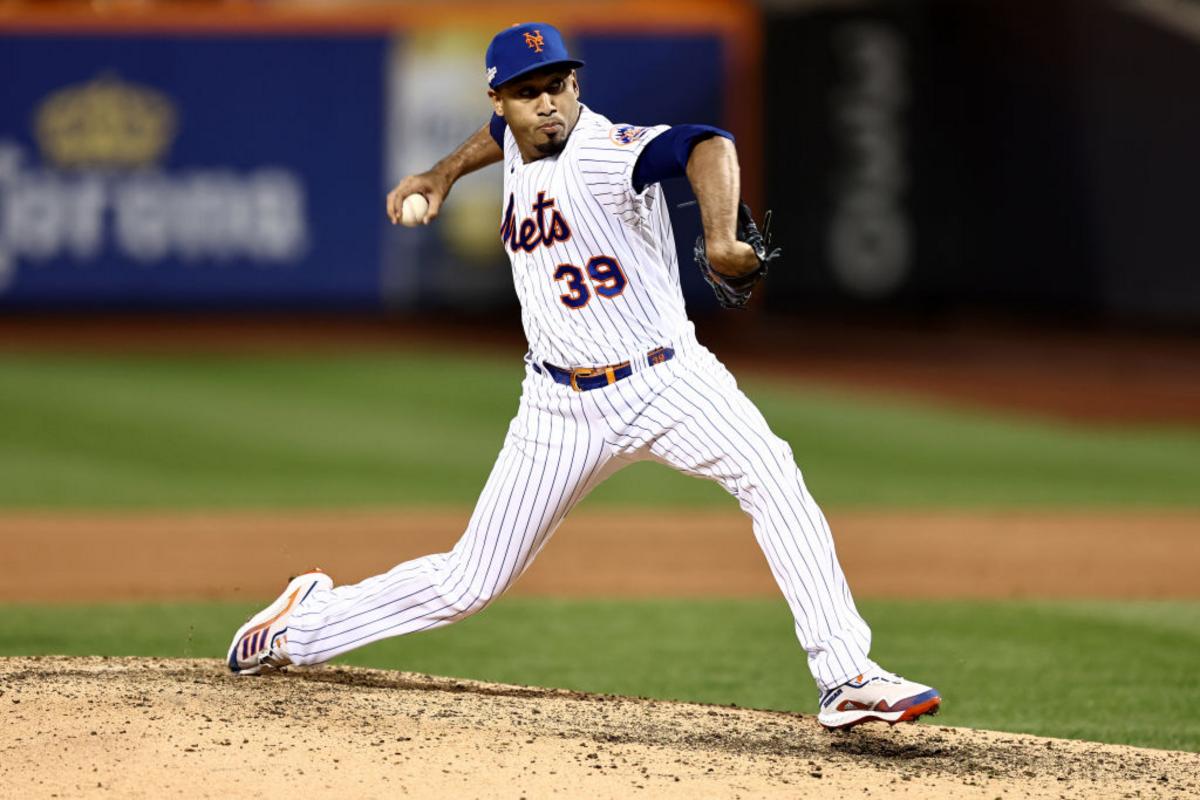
(146, 727)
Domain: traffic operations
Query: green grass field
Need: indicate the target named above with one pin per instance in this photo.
(138, 432)
(1113, 672)
(129, 432)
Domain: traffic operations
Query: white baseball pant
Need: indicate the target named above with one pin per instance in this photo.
(687, 413)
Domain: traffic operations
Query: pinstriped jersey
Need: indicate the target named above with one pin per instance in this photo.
(593, 261)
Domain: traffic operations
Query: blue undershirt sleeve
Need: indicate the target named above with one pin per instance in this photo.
(666, 156)
(496, 128)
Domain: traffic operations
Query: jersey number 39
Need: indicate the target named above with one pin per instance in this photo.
(607, 280)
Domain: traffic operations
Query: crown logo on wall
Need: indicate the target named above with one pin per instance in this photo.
(105, 122)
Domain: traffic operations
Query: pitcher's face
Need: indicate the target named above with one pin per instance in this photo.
(541, 109)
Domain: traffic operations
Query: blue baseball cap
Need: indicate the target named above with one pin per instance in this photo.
(524, 48)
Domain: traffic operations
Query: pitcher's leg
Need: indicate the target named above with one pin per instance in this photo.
(708, 428)
(548, 463)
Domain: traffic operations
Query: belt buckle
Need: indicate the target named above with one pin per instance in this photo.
(581, 372)
(591, 372)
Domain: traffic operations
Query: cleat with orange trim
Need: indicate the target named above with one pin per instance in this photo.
(877, 696)
(261, 644)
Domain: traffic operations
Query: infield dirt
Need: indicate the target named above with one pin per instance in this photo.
(90, 556)
(143, 727)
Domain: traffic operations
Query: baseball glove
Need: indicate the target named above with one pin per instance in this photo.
(733, 291)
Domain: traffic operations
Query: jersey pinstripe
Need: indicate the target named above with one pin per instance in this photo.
(619, 309)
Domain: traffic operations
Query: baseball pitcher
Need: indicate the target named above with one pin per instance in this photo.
(613, 375)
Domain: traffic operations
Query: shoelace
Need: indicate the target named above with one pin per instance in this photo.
(878, 675)
(889, 677)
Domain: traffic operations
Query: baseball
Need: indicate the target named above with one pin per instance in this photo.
(412, 210)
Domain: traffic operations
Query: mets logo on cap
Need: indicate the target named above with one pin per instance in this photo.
(534, 40)
(525, 48)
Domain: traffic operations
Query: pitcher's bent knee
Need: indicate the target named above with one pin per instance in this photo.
(463, 602)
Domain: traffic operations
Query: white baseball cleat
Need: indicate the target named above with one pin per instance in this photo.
(261, 644)
(877, 696)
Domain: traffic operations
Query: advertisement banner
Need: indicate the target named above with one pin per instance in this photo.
(1034, 157)
(190, 171)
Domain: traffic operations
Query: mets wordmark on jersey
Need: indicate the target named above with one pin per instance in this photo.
(594, 262)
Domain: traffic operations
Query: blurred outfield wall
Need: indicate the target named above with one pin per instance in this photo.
(987, 154)
(238, 157)
(925, 156)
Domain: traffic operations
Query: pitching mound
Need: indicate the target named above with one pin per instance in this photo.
(148, 728)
